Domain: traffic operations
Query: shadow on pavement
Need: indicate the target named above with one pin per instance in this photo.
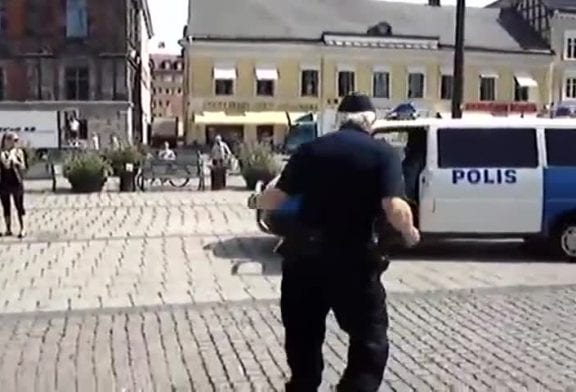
(242, 251)
(497, 251)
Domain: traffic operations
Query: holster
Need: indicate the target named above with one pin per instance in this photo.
(310, 245)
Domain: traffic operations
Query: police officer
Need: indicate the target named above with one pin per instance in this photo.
(345, 180)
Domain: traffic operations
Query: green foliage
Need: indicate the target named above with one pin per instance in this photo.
(31, 157)
(86, 172)
(258, 163)
(260, 157)
(120, 157)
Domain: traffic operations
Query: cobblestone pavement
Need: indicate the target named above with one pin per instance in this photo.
(495, 340)
(173, 247)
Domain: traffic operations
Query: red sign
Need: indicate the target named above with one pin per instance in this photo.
(501, 107)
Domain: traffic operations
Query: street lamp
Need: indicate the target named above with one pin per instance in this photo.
(458, 84)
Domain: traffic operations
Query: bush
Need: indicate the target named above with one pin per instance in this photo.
(119, 158)
(31, 155)
(86, 172)
(258, 163)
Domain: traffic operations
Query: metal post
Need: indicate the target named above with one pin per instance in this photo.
(458, 83)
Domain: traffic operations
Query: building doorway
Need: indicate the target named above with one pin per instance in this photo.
(265, 134)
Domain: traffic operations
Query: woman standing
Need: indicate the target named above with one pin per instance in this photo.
(12, 165)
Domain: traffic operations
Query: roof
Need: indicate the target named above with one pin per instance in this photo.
(306, 20)
(560, 5)
(494, 122)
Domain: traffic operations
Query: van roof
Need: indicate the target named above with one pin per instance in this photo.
(496, 122)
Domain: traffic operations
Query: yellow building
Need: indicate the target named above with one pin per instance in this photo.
(249, 67)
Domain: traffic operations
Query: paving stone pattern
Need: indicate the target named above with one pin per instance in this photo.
(487, 341)
(179, 247)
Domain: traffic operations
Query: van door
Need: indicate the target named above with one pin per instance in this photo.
(482, 181)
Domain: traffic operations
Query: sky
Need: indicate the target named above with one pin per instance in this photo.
(168, 21)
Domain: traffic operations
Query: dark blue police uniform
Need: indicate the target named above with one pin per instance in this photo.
(341, 179)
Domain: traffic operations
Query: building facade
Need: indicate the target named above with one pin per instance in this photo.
(167, 98)
(86, 59)
(245, 81)
(167, 84)
(555, 22)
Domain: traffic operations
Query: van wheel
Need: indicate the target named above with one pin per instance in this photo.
(565, 241)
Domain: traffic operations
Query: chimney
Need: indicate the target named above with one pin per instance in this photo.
(434, 3)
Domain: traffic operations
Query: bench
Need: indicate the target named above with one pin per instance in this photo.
(178, 172)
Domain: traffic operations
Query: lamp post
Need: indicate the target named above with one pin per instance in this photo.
(458, 84)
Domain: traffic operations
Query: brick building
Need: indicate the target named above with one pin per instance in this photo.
(167, 104)
(167, 82)
(83, 58)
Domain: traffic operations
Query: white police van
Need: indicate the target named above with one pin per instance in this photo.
(485, 178)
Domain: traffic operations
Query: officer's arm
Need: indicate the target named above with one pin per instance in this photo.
(398, 212)
(291, 183)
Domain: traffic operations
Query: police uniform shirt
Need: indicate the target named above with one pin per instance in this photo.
(342, 178)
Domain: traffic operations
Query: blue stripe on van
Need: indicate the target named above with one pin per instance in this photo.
(559, 195)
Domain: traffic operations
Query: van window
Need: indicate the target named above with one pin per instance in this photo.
(561, 147)
(487, 148)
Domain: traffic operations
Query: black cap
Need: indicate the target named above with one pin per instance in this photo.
(356, 103)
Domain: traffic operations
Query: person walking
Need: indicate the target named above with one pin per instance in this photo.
(220, 155)
(12, 166)
(345, 180)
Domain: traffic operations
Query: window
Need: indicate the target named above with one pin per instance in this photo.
(521, 93)
(224, 77)
(346, 83)
(487, 88)
(309, 83)
(560, 145)
(446, 85)
(381, 84)
(224, 87)
(76, 19)
(77, 83)
(487, 148)
(3, 17)
(570, 87)
(416, 85)
(265, 88)
(570, 45)
(265, 81)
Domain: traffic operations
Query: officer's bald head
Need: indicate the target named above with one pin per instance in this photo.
(357, 109)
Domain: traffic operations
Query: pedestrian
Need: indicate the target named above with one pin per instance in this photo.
(167, 154)
(345, 180)
(220, 155)
(12, 166)
(200, 170)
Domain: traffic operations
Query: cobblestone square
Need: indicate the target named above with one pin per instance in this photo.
(138, 292)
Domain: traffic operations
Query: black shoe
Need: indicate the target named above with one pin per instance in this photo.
(8, 234)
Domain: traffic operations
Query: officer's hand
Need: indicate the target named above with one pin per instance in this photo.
(411, 237)
(253, 201)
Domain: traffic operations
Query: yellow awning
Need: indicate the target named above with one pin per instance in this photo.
(248, 118)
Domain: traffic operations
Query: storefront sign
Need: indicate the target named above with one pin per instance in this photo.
(258, 106)
(37, 129)
(501, 107)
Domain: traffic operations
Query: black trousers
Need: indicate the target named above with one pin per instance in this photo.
(348, 283)
(8, 194)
